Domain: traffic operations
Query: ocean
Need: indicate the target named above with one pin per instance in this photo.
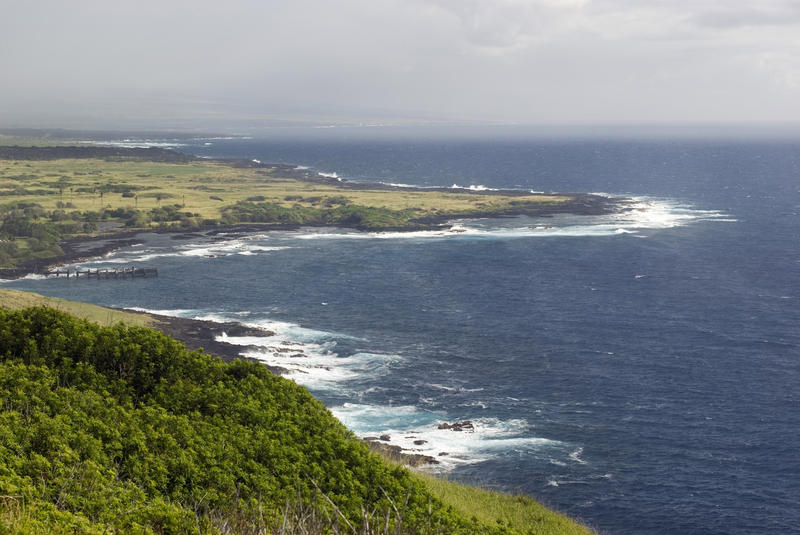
(638, 371)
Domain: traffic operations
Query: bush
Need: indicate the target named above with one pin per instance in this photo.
(343, 215)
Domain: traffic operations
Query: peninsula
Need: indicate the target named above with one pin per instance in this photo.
(62, 203)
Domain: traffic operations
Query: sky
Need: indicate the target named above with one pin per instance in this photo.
(249, 63)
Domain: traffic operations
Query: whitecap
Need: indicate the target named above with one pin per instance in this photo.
(307, 356)
(474, 187)
(173, 312)
(127, 258)
(317, 366)
(576, 456)
(29, 276)
(641, 213)
(226, 248)
(131, 144)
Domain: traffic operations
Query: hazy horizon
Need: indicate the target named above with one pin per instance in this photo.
(247, 65)
(465, 133)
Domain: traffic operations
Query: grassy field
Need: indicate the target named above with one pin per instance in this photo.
(204, 188)
(44, 201)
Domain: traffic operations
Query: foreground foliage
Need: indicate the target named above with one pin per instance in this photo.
(123, 429)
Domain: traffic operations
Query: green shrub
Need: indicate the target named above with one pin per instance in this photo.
(124, 427)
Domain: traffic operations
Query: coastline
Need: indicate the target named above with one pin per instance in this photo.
(196, 335)
(202, 334)
(81, 247)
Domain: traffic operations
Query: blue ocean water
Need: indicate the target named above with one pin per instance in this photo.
(639, 372)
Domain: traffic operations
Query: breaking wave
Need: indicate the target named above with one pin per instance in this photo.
(474, 187)
(249, 246)
(418, 432)
(641, 214)
(311, 358)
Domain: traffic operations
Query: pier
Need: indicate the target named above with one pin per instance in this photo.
(116, 273)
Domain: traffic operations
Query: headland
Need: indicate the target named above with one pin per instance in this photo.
(61, 204)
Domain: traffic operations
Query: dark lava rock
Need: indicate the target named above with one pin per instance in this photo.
(395, 453)
(420, 442)
(466, 425)
(236, 329)
(386, 438)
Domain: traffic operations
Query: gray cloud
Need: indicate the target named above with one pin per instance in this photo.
(742, 15)
(192, 63)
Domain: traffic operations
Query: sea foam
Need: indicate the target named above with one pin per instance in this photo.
(640, 214)
(417, 431)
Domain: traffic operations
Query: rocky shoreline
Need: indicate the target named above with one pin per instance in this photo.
(202, 335)
(83, 248)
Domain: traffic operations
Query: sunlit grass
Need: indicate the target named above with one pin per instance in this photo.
(16, 300)
(204, 188)
(519, 512)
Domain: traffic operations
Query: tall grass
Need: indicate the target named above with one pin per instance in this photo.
(519, 512)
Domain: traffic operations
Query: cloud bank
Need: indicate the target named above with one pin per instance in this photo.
(99, 63)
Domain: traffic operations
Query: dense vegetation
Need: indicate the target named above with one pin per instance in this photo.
(121, 428)
(333, 212)
(29, 232)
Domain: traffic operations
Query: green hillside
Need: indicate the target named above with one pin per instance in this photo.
(120, 429)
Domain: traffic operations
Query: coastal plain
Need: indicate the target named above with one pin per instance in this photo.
(206, 187)
(51, 195)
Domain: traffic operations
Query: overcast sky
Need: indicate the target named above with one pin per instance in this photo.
(165, 63)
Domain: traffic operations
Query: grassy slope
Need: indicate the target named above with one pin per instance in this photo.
(16, 300)
(520, 513)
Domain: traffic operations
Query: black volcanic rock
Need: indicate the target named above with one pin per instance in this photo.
(466, 425)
